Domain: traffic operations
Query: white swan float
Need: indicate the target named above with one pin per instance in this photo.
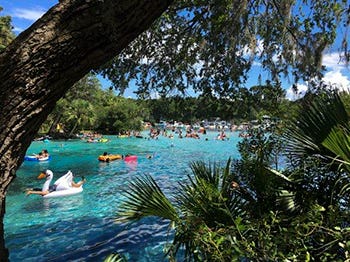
(62, 186)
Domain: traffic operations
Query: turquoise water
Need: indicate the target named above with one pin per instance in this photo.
(82, 227)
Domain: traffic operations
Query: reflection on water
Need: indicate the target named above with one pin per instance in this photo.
(82, 227)
(132, 165)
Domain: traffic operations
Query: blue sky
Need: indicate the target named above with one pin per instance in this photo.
(26, 12)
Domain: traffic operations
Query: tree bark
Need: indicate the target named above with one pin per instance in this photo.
(44, 61)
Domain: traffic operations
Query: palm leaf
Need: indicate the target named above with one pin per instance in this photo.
(145, 198)
(206, 200)
(278, 174)
(115, 258)
(209, 196)
(285, 198)
(345, 190)
(306, 135)
(338, 142)
(235, 201)
(209, 173)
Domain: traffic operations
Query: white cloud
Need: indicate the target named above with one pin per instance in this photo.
(28, 14)
(336, 76)
(332, 78)
(291, 95)
(333, 62)
(337, 79)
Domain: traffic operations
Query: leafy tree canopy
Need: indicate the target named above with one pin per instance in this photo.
(6, 35)
(88, 107)
(210, 46)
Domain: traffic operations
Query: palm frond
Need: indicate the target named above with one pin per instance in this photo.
(227, 178)
(209, 195)
(286, 200)
(207, 173)
(338, 142)
(115, 258)
(278, 174)
(345, 190)
(313, 126)
(341, 189)
(145, 198)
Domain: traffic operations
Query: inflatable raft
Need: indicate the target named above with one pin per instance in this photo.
(34, 158)
(107, 158)
(63, 186)
(66, 192)
(132, 158)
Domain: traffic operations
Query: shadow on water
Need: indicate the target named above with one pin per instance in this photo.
(94, 240)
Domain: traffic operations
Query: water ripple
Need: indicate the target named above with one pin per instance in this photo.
(82, 227)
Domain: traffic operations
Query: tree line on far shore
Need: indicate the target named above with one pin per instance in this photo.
(87, 106)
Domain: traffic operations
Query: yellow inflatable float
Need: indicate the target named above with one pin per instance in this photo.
(107, 158)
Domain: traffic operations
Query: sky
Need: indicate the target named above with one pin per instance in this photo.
(26, 12)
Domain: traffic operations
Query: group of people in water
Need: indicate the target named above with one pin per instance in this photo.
(154, 133)
(48, 174)
(189, 133)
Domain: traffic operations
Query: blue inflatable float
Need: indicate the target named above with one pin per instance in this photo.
(34, 158)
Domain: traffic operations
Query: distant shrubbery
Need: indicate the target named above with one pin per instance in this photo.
(88, 107)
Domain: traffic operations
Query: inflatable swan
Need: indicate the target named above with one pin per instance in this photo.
(62, 187)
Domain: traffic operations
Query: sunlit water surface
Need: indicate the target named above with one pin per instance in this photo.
(83, 227)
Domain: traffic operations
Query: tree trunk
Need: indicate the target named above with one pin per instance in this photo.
(53, 126)
(44, 61)
(73, 129)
